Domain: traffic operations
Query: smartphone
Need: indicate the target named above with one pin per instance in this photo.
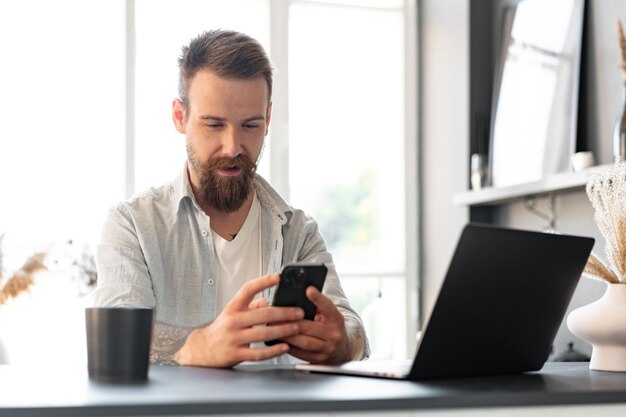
(294, 280)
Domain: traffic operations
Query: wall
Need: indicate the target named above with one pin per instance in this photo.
(458, 59)
(444, 127)
(601, 95)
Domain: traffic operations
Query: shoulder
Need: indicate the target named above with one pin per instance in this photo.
(160, 199)
(301, 219)
(275, 205)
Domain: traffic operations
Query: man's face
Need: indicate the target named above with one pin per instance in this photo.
(225, 123)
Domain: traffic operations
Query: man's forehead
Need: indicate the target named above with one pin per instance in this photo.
(222, 97)
(205, 80)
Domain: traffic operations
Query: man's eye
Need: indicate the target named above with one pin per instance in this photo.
(250, 126)
(214, 125)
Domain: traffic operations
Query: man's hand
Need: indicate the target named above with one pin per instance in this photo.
(328, 338)
(226, 341)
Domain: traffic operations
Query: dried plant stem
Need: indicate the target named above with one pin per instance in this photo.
(607, 193)
(621, 248)
(597, 269)
(621, 41)
(18, 284)
(22, 280)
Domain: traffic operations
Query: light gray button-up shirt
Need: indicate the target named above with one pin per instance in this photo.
(156, 251)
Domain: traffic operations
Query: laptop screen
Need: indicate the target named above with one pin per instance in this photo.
(501, 303)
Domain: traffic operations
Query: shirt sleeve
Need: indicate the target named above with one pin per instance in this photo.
(124, 281)
(123, 278)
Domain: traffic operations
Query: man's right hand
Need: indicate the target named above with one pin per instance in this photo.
(226, 341)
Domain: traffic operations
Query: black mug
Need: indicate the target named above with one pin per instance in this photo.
(118, 343)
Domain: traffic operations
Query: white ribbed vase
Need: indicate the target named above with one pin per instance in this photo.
(603, 324)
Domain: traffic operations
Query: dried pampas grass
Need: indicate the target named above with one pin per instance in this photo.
(22, 280)
(597, 269)
(621, 41)
(607, 193)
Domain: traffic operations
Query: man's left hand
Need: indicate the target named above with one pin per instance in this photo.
(325, 339)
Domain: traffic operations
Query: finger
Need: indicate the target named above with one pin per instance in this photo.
(325, 306)
(311, 357)
(304, 342)
(261, 354)
(266, 333)
(269, 314)
(258, 303)
(323, 331)
(246, 293)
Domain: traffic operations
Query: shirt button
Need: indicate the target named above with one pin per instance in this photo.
(204, 233)
(211, 281)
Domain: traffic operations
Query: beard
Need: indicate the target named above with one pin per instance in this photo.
(221, 192)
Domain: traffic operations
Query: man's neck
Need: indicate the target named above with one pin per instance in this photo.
(227, 225)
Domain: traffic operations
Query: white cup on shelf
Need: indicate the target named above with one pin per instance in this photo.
(582, 160)
(478, 169)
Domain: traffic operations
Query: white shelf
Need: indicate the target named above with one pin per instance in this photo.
(566, 181)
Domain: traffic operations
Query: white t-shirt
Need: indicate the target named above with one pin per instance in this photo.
(238, 260)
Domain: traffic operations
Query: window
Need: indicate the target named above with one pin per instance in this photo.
(88, 124)
(346, 141)
(61, 158)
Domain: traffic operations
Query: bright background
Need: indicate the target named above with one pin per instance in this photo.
(85, 122)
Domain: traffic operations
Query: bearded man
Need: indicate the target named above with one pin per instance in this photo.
(205, 250)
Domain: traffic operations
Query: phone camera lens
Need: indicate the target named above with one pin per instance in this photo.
(287, 281)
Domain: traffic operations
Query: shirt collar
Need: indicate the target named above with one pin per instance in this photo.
(183, 190)
(271, 200)
(268, 197)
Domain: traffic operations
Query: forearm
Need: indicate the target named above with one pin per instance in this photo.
(167, 342)
(356, 339)
(185, 355)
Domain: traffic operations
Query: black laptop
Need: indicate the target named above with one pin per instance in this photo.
(499, 308)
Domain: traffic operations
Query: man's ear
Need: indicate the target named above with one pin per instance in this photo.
(268, 118)
(178, 115)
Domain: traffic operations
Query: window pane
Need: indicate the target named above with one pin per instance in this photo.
(162, 28)
(346, 114)
(381, 303)
(62, 114)
(61, 161)
(346, 109)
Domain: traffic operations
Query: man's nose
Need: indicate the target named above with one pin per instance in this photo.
(231, 144)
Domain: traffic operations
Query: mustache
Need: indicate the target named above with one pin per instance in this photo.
(240, 161)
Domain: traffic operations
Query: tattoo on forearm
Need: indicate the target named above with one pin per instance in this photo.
(166, 341)
(355, 332)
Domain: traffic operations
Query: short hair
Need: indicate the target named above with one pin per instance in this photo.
(229, 54)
